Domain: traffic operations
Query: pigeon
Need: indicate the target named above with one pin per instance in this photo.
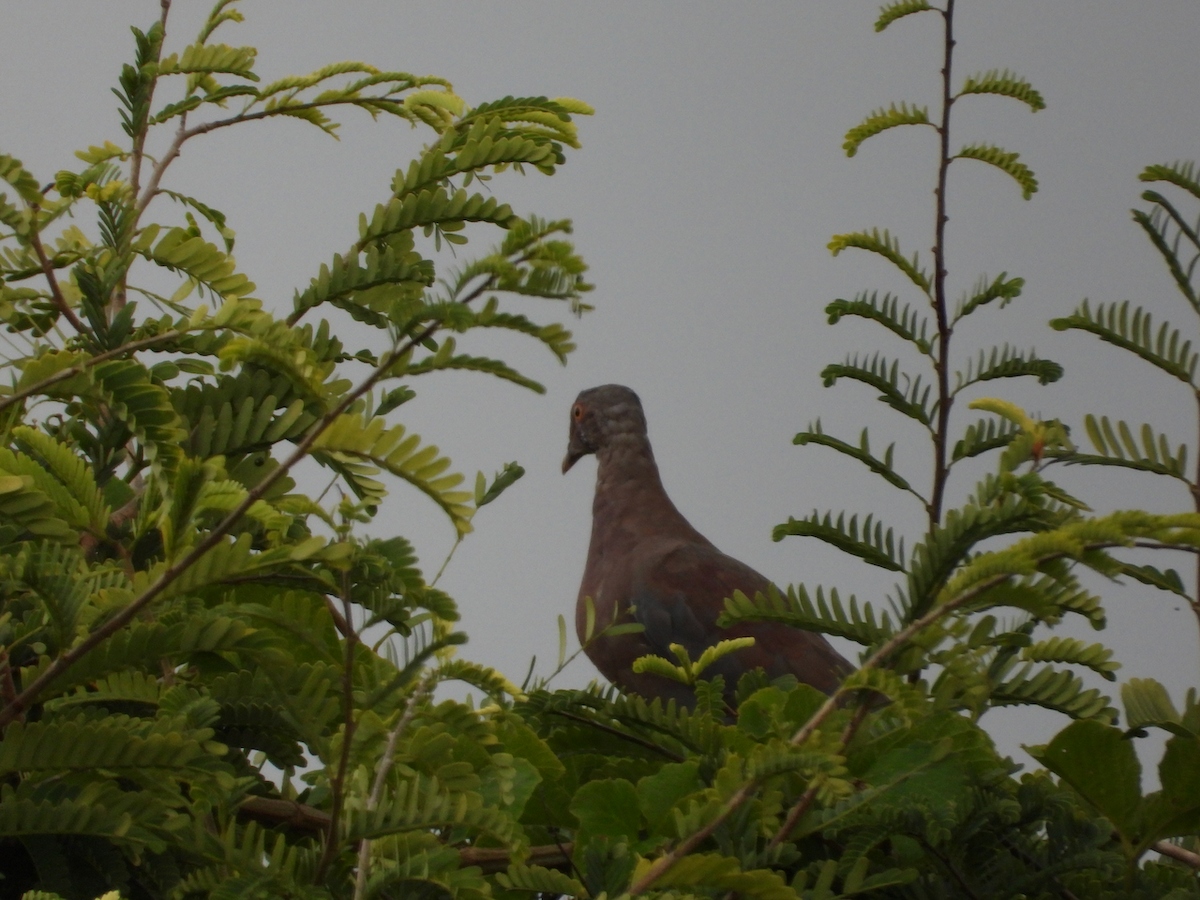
(646, 564)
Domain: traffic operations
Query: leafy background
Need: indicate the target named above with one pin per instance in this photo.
(711, 180)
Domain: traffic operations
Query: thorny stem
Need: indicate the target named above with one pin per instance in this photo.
(385, 766)
(945, 329)
(338, 785)
(1194, 602)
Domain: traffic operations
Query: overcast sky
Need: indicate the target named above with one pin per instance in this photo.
(709, 183)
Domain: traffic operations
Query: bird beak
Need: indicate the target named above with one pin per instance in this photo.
(576, 450)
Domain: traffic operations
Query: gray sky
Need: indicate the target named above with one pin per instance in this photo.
(710, 181)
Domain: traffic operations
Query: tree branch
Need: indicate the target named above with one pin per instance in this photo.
(56, 294)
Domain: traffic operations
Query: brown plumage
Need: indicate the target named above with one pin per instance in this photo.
(647, 564)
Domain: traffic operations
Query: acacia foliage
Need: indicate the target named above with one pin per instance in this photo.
(189, 705)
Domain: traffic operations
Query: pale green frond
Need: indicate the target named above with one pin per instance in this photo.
(985, 435)
(180, 251)
(211, 58)
(1147, 703)
(541, 881)
(1005, 161)
(1170, 232)
(1006, 84)
(430, 207)
(886, 246)
(890, 12)
(21, 179)
(1075, 652)
(71, 471)
(883, 119)
(360, 447)
(1056, 689)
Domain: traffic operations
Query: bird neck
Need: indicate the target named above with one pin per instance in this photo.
(631, 503)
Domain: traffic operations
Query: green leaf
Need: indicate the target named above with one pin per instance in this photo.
(1006, 362)
(1148, 703)
(906, 322)
(1166, 349)
(890, 12)
(886, 246)
(1117, 447)
(877, 547)
(541, 881)
(1073, 651)
(1168, 229)
(799, 610)
(985, 435)
(1005, 162)
(882, 120)
(359, 447)
(913, 399)
(1180, 174)
(1165, 581)
(607, 807)
(1102, 767)
(22, 180)
(1006, 84)
(1001, 288)
(882, 467)
(659, 793)
(211, 58)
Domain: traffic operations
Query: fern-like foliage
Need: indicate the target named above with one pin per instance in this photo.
(886, 246)
(890, 12)
(1006, 162)
(876, 546)
(906, 323)
(1005, 84)
(882, 120)
(1165, 347)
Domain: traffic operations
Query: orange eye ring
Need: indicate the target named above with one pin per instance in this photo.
(577, 412)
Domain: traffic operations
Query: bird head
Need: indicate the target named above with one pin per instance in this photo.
(599, 415)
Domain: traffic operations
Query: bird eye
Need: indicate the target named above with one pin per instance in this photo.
(577, 412)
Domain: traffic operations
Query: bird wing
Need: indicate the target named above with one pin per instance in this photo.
(679, 590)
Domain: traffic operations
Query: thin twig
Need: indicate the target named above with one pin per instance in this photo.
(944, 326)
(56, 294)
(381, 773)
(806, 799)
(80, 368)
(338, 784)
(1177, 853)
